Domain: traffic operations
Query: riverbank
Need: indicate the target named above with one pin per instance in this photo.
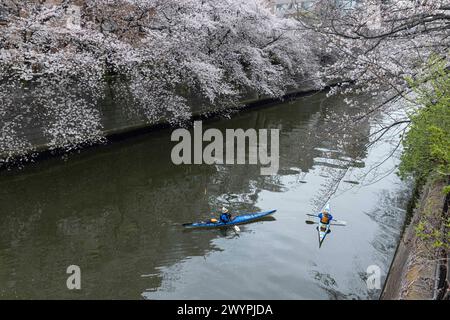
(419, 270)
(134, 128)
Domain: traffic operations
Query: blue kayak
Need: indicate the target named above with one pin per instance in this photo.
(235, 220)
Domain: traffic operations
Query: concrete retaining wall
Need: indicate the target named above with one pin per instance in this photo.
(413, 272)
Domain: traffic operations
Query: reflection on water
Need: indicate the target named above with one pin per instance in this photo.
(116, 212)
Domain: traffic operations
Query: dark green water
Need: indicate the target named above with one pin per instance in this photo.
(116, 211)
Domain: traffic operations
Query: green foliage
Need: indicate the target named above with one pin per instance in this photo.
(426, 150)
(427, 143)
(427, 232)
(446, 190)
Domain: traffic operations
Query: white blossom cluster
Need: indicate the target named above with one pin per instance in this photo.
(58, 58)
(377, 44)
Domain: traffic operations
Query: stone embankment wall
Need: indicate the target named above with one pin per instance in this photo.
(419, 270)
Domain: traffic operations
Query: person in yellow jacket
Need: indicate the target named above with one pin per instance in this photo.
(325, 218)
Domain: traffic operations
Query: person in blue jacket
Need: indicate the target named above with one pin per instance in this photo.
(225, 215)
(325, 217)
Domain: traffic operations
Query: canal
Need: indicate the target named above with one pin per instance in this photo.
(116, 212)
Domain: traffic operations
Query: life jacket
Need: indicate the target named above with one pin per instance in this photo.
(325, 219)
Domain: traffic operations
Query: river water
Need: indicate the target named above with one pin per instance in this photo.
(115, 211)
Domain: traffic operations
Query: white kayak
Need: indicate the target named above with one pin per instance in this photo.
(323, 229)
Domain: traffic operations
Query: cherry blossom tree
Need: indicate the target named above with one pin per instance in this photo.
(375, 49)
(377, 45)
(59, 58)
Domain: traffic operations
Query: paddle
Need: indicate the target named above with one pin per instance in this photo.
(337, 222)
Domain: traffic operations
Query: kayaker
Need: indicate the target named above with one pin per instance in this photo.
(225, 216)
(325, 218)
